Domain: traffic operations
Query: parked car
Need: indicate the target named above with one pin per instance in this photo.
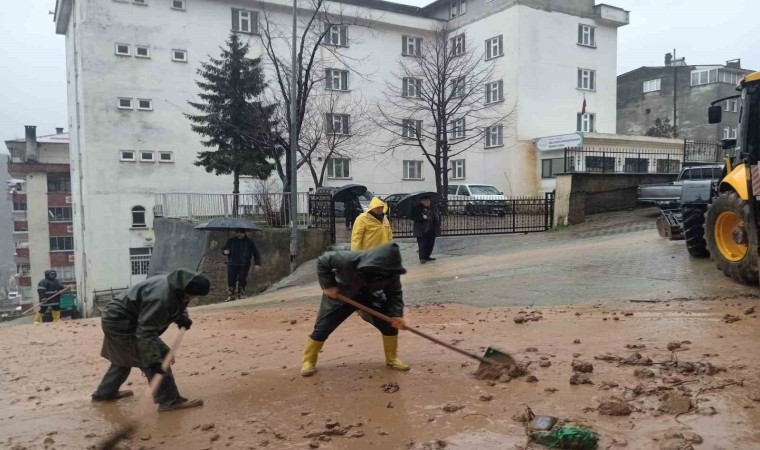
(392, 200)
(667, 194)
(476, 199)
(340, 207)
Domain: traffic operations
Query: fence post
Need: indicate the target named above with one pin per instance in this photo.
(332, 220)
(189, 207)
(604, 162)
(565, 159)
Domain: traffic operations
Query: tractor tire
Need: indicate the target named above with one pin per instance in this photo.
(694, 230)
(736, 260)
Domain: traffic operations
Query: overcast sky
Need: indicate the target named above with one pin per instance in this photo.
(33, 76)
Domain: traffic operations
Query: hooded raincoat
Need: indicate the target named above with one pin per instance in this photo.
(133, 322)
(368, 231)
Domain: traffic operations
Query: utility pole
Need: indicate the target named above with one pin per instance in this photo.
(675, 95)
(294, 72)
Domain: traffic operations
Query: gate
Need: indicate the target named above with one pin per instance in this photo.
(322, 212)
(473, 217)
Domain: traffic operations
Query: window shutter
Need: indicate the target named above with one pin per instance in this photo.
(464, 167)
(488, 92)
(403, 45)
(580, 79)
(255, 22)
(328, 122)
(580, 34)
(462, 7)
(235, 20)
(591, 119)
(501, 90)
(593, 80)
(345, 124)
(592, 41)
(488, 49)
(405, 87)
(488, 136)
(344, 80)
(578, 124)
(464, 126)
(344, 35)
(328, 78)
(501, 45)
(418, 126)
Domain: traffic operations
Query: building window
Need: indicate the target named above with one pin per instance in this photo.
(337, 123)
(337, 35)
(457, 44)
(138, 217)
(125, 103)
(457, 129)
(339, 168)
(165, 157)
(699, 77)
(178, 4)
(734, 105)
(23, 270)
(494, 47)
(123, 49)
(61, 244)
(457, 87)
(411, 88)
(58, 182)
(142, 51)
(60, 214)
(179, 55)
(458, 8)
(729, 77)
(337, 80)
(585, 122)
(494, 136)
(411, 46)
(586, 35)
(147, 156)
(140, 2)
(652, 85)
(726, 132)
(245, 21)
(551, 167)
(411, 129)
(144, 104)
(457, 169)
(64, 273)
(733, 133)
(587, 79)
(139, 259)
(127, 155)
(412, 170)
(19, 206)
(494, 92)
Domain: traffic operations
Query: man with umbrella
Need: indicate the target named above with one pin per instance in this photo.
(239, 251)
(425, 228)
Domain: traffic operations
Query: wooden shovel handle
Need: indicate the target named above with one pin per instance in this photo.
(419, 333)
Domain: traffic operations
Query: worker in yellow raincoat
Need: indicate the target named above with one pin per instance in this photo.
(371, 228)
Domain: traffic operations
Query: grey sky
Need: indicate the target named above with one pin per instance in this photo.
(33, 77)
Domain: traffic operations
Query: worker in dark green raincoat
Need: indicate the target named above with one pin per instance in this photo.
(133, 324)
(371, 277)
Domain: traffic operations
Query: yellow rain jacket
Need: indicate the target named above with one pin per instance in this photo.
(368, 232)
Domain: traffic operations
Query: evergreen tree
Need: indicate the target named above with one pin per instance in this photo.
(232, 117)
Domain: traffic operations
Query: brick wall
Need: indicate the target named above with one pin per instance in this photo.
(60, 259)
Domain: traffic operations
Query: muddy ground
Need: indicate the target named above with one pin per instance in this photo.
(245, 363)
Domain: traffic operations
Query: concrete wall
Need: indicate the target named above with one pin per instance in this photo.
(179, 245)
(582, 194)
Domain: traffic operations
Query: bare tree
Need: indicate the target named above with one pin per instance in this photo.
(323, 31)
(444, 101)
(334, 128)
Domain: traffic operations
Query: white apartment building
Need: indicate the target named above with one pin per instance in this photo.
(132, 67)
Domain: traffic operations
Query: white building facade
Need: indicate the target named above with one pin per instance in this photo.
(132, 67)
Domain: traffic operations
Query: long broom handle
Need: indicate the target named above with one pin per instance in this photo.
(419, 333)
(47, 301)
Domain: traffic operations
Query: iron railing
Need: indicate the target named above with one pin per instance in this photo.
(697, 151)
(271, 209)
(601, 160)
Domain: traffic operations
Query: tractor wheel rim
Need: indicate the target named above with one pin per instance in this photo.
(724, 226)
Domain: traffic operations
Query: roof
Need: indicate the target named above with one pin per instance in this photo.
(62, 138)
(723, 66)
(387, 6)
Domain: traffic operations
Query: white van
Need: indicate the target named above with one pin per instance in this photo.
(477, 199)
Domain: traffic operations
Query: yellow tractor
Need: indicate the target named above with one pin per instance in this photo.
(730, 222)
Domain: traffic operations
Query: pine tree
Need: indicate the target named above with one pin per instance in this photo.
(232, 117)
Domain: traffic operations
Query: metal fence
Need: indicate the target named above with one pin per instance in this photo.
(601, 160)
(270, 209)
(696, 151)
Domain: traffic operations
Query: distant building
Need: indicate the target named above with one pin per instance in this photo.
(42, 215)
(647, 93)
(7, 266)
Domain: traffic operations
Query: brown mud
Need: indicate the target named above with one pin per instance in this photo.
(245, 365)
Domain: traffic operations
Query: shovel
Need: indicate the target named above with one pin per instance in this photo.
(492, 364)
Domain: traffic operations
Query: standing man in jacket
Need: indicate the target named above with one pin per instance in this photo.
(426, 228)
(133, 324)
(371, 277)
(239, 251)
(371, 228)
(49, 289)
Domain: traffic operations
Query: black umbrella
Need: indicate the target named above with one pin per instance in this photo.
(405, 205)
(227, 224)
(349, 191)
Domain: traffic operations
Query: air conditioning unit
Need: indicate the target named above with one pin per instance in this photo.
(67, 200)
(71, 258)
(69, 229)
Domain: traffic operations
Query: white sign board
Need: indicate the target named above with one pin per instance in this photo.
(559, 142)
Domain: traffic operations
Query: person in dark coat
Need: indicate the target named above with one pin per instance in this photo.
(426, 228)
(351, 210)
(133, 323)
(240, 250)
(47, 289)
(371, 277)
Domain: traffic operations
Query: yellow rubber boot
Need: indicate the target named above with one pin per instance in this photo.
(310, 355)
(390, 345)
(37, 318)
(56, 316)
